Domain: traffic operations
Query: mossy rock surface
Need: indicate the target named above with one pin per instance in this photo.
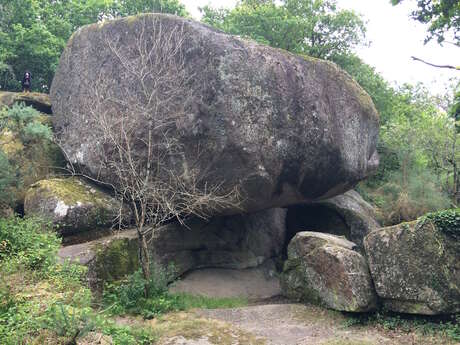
(73, 205)
(416, 266)
(108, 259)
(39, 101)
(324, 269)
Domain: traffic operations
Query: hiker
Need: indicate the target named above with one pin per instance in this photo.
(26, 82)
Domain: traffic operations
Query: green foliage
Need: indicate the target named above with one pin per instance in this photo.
(24, 123)
(7, 177)
(315, 28)
(47, 303)
(69, 322)
(129, 296)
(29, 242)
(25, 144)
(33, 33)
(446, 326)
(442, 15)
(447, 221)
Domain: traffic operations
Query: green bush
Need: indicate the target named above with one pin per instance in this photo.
(129, 296)
(30, 242)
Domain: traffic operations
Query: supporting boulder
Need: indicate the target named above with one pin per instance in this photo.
(324, 269)
(231, 242)
(73, 205)
(416, 266)
(238, 242)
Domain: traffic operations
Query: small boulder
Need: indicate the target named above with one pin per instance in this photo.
(416, 266)
(95, 338)
(73, 205)
(324, 269)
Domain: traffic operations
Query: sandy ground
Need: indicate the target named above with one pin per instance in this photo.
(253, 283)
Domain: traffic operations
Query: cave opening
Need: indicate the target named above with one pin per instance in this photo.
(317, 218)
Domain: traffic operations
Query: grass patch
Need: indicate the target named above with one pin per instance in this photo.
(186, 301)
(128, 297)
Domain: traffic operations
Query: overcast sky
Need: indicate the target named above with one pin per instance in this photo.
(394, 39)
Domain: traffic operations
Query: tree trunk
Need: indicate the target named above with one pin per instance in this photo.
(144, 259)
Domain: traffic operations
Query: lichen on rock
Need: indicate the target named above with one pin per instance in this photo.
(416, 266)
(324, 269)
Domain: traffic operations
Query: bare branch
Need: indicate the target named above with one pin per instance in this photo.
(434, 65)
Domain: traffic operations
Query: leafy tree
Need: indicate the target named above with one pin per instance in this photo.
(33, 33)
(442, 15)
(312, 27)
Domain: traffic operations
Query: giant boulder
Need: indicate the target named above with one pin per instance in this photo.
(282, 128)
(416, 266)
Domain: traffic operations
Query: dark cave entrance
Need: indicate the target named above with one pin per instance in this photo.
(315, 217)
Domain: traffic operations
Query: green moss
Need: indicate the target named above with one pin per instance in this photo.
(71, 190)
(117, 259)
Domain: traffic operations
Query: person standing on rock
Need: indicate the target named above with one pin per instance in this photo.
(26, 82)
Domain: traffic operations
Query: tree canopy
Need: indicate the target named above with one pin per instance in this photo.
(313, 27)
(33, 33)
(443, 16)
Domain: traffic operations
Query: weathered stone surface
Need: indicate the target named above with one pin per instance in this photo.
(282, 127)
(416, 267)
(325, 269)
(346, 215)
(237, 242)
(73, 205)
(39, 101)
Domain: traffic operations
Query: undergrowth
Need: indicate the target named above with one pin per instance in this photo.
(129, 296)
(43, 301)
(447, 325)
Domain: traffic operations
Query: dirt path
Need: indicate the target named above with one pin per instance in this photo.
(294, 324)
(274, 324)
